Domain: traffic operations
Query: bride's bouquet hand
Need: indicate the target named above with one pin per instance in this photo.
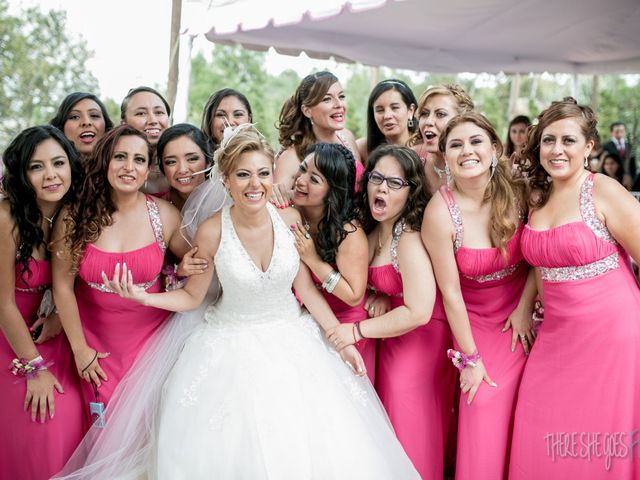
(123, 285)
(352, 357)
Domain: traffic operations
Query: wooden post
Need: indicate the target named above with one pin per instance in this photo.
(174, 52)
(513, 96)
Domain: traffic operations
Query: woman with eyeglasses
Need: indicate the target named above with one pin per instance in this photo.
(413, 377)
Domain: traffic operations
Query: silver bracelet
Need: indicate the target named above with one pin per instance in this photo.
(331, 281)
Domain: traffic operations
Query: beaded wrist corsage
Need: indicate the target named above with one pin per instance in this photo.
(172, 281)
(461, 360)
(28, 369)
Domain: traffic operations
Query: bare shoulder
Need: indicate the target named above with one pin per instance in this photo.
(287, 157)
(7, 222)
(436, 211)
(289, 215)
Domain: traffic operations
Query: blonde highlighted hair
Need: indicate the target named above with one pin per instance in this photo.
(505, 193)
(246, 138)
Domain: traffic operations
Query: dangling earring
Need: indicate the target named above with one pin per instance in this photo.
(311, 121)
(586, 162)
(410, 122)
(447, 173)
(494, 163)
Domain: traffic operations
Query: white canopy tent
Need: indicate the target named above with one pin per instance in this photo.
(570, 36)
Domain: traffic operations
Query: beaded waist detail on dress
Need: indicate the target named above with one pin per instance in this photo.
(499, 275)
(580, 272)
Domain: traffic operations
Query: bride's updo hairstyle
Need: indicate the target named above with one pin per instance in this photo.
(244, 138)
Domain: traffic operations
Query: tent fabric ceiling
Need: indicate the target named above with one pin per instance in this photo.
(585, 36)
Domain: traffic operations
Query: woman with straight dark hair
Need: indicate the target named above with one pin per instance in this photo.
(390, 116)
(42, 173)
(225, 108)
(83, 119)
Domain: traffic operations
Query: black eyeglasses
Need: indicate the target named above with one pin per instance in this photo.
(394, 183)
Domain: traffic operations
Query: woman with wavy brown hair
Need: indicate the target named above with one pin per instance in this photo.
(472, 231)
(583, 228)
(315, 113)
(112, 223)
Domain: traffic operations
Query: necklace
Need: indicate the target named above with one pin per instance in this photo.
(378, 249)
(50, 220)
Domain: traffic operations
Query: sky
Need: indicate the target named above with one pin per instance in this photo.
(130, 40)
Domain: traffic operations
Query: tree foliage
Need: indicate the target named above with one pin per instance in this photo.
(39, 65)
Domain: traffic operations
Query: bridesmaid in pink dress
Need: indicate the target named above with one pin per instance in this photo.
(315, 113)
(112, 224)
(413, 377)
(42, 172)
(330, 240)
(578, 406)
(472, 233)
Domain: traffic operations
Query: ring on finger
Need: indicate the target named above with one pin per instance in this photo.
(306, 235)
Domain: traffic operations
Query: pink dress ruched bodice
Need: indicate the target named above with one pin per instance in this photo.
(32, 450)
(113, 324)
(345, 313)
(578, 409)
(491, 289)
(414, 378)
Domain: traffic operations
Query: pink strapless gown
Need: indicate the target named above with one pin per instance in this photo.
(345, 313)
(30, 450)
(111, 323)
(415, 380)
(491, 290)
(580, 392)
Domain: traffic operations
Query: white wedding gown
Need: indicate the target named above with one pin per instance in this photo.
(257, 392)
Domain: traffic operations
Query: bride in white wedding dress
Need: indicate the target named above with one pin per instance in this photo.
(256, 392)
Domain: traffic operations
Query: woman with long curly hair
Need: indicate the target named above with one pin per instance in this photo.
(472, 231)
(412, 376)
(42, 173)
(112, 223)
(580, 235)
(330, 240)
(315, 113)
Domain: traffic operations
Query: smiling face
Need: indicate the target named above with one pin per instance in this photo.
(311, 187)
(49, 172)
(146, 112)
(230, 111)
(181, 158)
(435, 115)
(250, 181)
(563, 148)
(469, 151)
(392, 114)
(129, 165)
(84, 125)
(387, 204)
(330, 113)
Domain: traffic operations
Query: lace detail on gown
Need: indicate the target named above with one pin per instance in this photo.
(588, 211)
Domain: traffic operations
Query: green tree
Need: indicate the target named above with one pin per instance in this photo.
(39, 65)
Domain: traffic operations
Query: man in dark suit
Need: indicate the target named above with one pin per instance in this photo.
(620, 146)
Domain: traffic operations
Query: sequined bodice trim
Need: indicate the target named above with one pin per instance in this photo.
(38, 289)
(580, 272)
(456, 216)
(499, 275)
(398, 228)
(588, 211)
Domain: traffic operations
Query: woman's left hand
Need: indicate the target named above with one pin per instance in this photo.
(521, 323)
(352, 357)
(123, 284)
(192, 265)
(341, 336)
(304, 243)
(51, 326)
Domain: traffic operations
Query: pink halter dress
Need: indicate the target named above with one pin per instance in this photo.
(491, 289)
(111, 323)
(578, 409)
(414, 378)
(33, 450)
